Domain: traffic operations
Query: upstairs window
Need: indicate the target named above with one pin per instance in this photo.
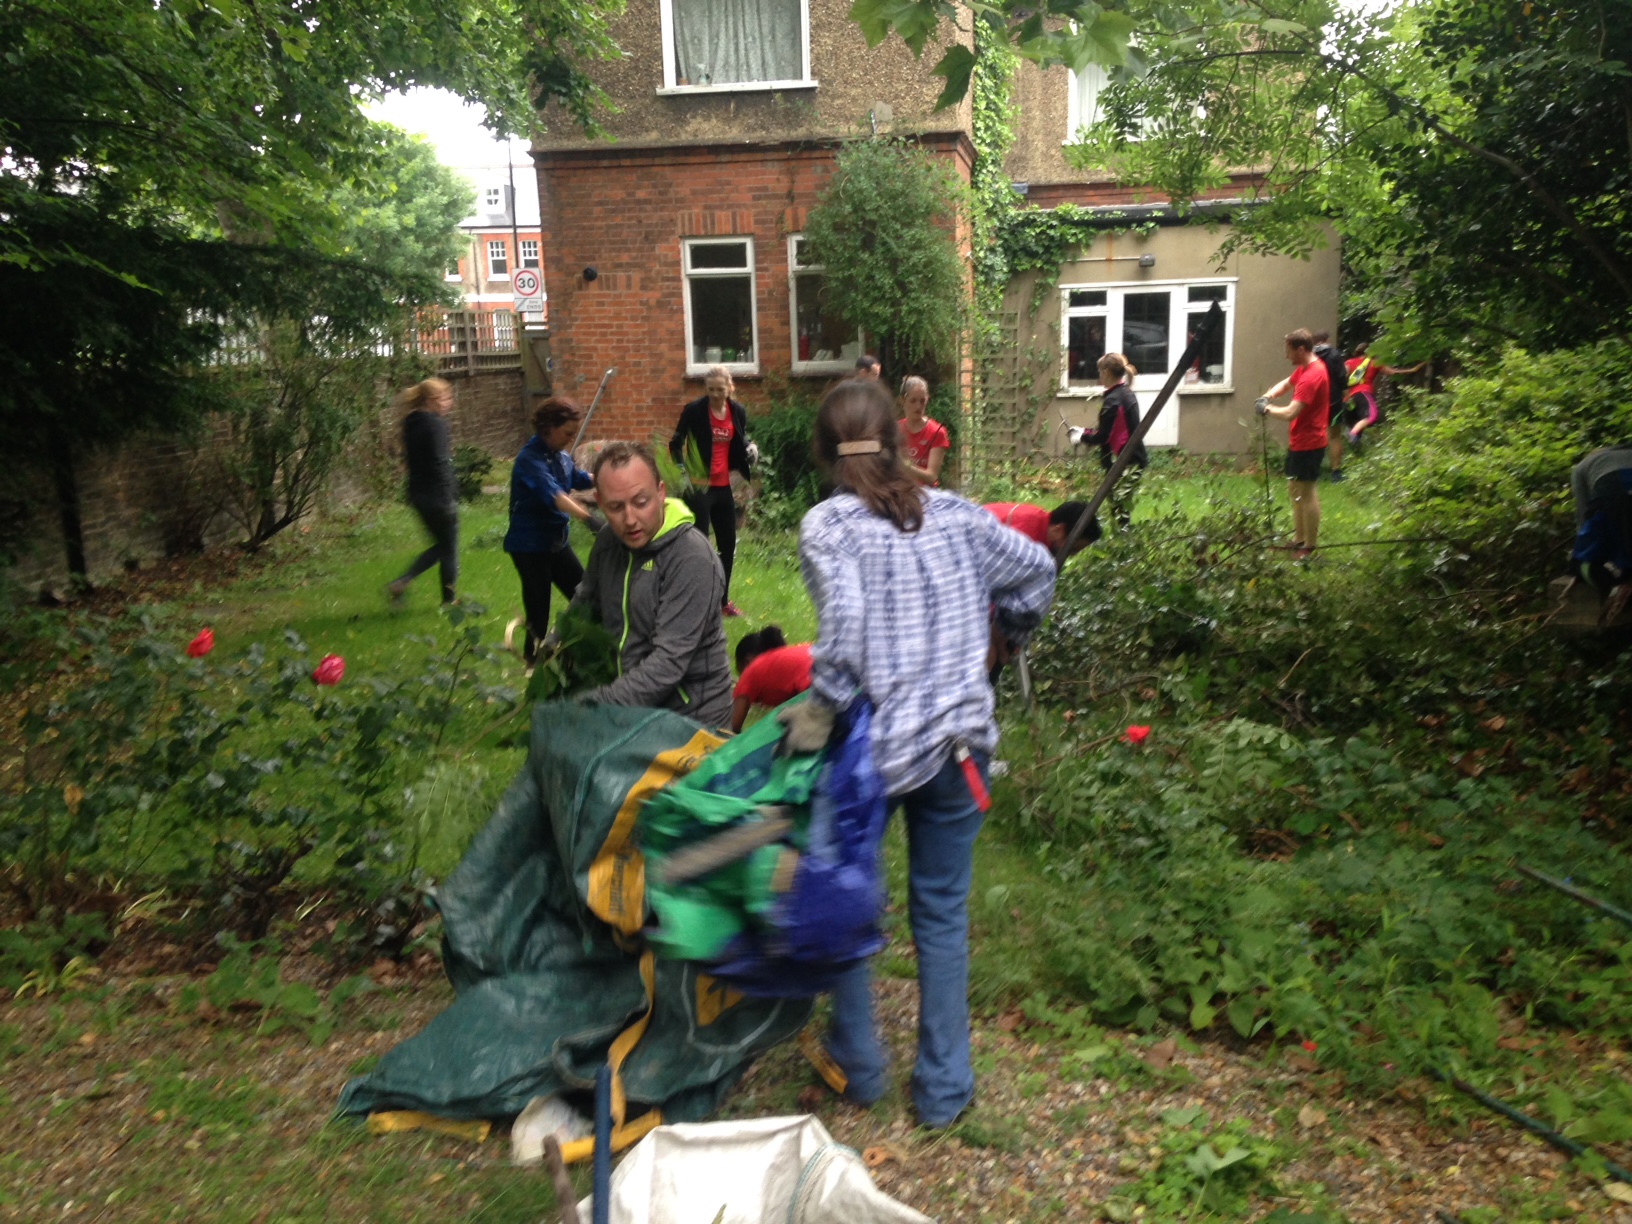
(498, 260)
(823, 343)
(529, 252)
(493, 198)
(721, 318)
(735, 44)
(1085, 104)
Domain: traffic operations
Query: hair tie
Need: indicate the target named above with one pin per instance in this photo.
(869, 446)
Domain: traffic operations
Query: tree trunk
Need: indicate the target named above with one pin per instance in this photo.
(68, 508)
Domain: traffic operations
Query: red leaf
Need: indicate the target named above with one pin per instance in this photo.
(202, 644)
(329, 669)
(1135, 735)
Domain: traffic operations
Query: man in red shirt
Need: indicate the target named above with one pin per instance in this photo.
(1048, 528)
(1307, 415)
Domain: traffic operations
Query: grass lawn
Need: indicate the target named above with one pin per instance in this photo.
(124, 1102)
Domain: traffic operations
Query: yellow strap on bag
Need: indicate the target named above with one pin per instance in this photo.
(397, 1121)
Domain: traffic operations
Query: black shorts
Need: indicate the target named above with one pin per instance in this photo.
(1304, 465)
(1352, 414)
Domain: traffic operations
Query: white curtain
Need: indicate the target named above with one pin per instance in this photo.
(723, 42)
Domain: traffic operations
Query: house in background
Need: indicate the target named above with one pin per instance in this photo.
(1140, 294)
(677, 245)
(501, 234)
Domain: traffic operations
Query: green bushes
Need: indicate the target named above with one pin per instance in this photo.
(471, 467)
(232, 781)
(789, 483)
(1487, 463)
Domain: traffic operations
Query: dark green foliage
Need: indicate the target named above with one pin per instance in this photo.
(884, 230)
(1487, 463)
(471, 467)
(789, 481)
(586, 658)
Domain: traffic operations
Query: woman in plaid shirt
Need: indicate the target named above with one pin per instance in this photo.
(907, 582)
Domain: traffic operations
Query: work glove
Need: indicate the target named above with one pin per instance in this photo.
(806, 727)
(595, 522)
(549, 643)
(1261, 405)
(753, 452)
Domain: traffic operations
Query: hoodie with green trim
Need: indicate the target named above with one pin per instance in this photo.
(662, 604)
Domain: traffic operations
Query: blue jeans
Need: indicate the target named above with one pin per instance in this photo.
(942, 822)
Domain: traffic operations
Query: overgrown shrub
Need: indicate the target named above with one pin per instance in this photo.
(789, 482)
(471, 467)
(1487, 462)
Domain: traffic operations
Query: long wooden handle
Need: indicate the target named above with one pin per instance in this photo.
(700, 858)
(565, 1197)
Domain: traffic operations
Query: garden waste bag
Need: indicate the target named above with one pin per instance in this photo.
(541, 941)
(792, 916)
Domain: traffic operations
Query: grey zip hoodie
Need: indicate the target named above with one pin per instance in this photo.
(662, 604)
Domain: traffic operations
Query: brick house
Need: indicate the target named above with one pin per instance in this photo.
(500, 235)
(676, 245)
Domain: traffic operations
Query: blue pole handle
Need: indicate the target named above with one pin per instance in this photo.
(603, 1146)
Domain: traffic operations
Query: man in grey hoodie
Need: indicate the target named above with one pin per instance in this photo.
(656, 585)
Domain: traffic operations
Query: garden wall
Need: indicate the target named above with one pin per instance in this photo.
(152, 497)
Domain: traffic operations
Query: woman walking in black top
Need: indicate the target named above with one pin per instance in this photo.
(717, 427)
(1118, 418)
(433, 491)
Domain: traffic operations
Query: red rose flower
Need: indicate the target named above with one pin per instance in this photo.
(329, 669)
(1310, 1046)
(1135, 735)
(202, 644)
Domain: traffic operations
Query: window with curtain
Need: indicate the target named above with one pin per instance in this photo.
(719, 305)
(734, 42)
(823, 343)
(1151, 325)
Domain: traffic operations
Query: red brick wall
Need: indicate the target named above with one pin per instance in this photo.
(623, 212)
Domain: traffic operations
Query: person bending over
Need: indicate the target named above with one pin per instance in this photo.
(905, 581)
(769, 672)
(1306, 434)
(542, 508)
(1048, 527)
(655, 585)
(1360, 410)
(718, 427)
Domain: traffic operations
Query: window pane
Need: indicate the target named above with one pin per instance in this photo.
(1208, 293)
(1145, 324)
(1085, 345)
(820, 336)
(798, 252)
(722, 319)
(719, 255)
(497, 259)
(529, 253)
(1087, 297)
(1209, 366)
(723, 42)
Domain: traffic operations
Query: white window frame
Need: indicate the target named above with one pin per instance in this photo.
(523, 257)
(838, 365)
(492, 197)
(671, 78)
(498, 248)
(687, 245)
(1179, 312)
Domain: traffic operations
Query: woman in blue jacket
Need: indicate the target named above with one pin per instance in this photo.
(541, 507)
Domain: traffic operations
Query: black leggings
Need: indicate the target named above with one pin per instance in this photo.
(540, 571)
(443, 524)
(716, 507)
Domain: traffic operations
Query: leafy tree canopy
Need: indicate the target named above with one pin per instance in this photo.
(884, 230)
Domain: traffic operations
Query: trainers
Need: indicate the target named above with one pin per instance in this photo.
(394, 591)
(730, 609)
(1336, 475)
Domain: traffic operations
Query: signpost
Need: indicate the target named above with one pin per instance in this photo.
(528, 289)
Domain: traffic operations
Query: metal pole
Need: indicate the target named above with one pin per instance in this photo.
(1575, 894)
(601, 1209)
(1210, 320)
(1530, 1124)
(584, 424)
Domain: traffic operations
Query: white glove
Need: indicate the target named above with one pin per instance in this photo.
(806, 726)
(753, 452)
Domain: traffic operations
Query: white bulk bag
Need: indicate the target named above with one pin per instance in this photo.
(760, 1171)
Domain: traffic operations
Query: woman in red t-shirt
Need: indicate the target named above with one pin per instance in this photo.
(923, 442)
(769, 672)
(1360, 406)
(715, 427)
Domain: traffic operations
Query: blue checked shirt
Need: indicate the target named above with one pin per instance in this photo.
(905, 617)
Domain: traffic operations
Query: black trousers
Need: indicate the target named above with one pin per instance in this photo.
(716, 508)
(442, 521)
(539, 572)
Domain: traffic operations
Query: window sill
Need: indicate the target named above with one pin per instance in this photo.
(748, 369)
(499, 276)
(1207, 389)
(811, 369)
(671, 91)
(1192, 389)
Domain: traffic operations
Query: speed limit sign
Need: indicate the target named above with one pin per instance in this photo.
(526, 283)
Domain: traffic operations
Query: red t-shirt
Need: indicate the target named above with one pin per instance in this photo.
(775, 676)
(1368, 381)
(918, 445)
(1312, 389)
(1030, 521)
(719, 462)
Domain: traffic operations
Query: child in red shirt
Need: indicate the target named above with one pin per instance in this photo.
(769, 672)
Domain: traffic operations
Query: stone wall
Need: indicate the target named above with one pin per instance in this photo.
(154, 497)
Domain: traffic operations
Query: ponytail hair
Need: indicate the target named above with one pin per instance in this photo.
(753, 645)
(1115, 365)
(413, 399)
(861, 412)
